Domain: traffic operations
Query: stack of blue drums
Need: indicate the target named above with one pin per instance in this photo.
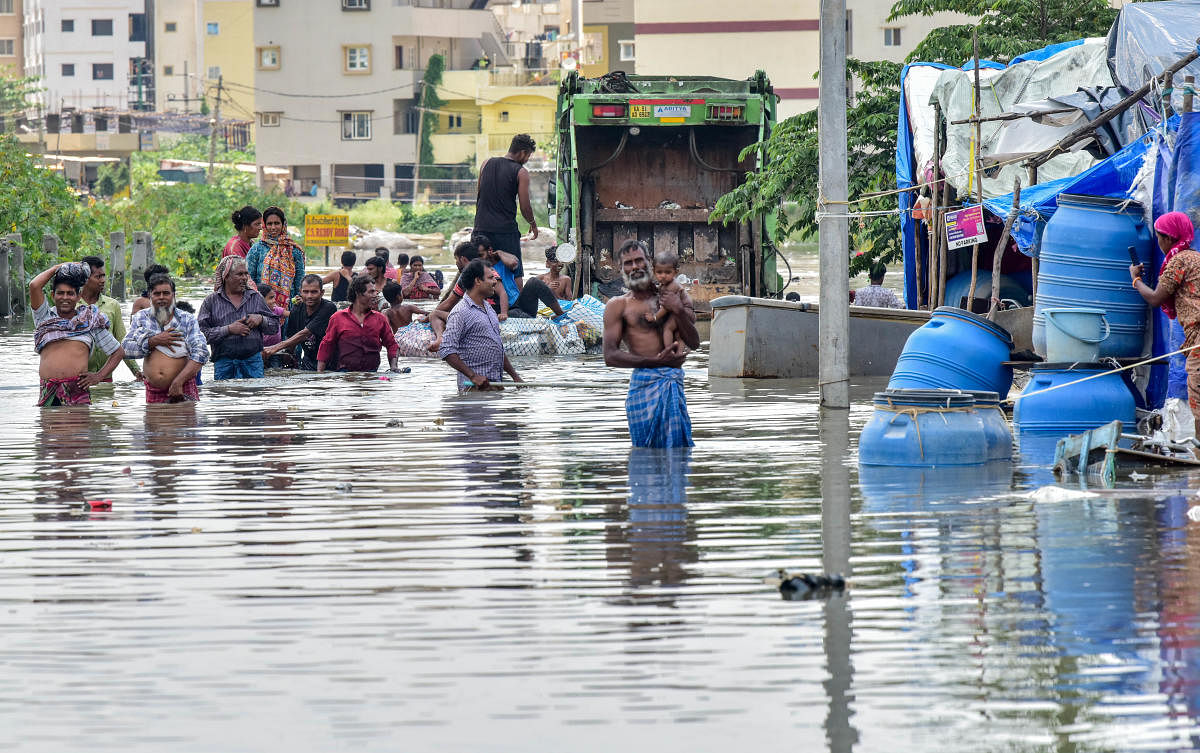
(931, 428)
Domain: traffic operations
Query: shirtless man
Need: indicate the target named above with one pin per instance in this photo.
(66, 335)
(172, 344)
(655, 407)
(399, 313)
(558, 283)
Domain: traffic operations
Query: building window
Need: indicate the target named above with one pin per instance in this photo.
(357, 59)
(212, 28)
(268, 58)
(269, 119)
(137, 27)
(102, 71)
(626, 53)
(6, 6)
(8, 47)
(268, 3)
(356, 126)
(849, 32)
(454, 121)
(405, 116)
(504, 116)
(168, 70)
(214, 72)
(68, 70)
(399, 57)
(102, 27)
(68, 25)
(169, 27)
(356, 4)
(891, 37)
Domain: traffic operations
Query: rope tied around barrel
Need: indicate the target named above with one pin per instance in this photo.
(914, 411)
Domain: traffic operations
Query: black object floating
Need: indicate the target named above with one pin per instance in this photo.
(805, 586)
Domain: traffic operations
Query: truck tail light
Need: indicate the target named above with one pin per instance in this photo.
(726, 112)
(608, 111)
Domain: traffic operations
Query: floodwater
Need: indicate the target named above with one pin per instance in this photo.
(284, 569)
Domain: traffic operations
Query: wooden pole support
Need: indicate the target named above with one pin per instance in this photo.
(1188, 98)
(5, 280)
(977, 166)
(18, 303)
(116, 266)
(998, 254)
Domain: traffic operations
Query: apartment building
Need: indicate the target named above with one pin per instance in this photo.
(336, 84)
(12, 54)
(198, 42)
(782, 37)
(87, 53)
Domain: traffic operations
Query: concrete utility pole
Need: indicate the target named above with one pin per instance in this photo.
(833, 369)
(213, 125)
(579, 27)
(420, 125)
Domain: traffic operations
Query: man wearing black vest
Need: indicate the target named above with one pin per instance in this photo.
(503, 181)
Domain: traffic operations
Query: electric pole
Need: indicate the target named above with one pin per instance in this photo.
(420, 124)
(833, 368)
(213, 125)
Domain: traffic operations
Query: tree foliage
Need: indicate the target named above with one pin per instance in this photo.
(15, 92)
(35, 201)
(1007, 28)
(430, 105)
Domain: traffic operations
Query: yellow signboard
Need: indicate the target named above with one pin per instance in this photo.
(327, 230)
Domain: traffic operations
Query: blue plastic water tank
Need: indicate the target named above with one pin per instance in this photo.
(1074, 409)
(955, 350)
(1084, 262)
(923, 428)
(995, 425)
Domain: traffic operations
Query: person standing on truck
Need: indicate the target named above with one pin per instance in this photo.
(503, 183)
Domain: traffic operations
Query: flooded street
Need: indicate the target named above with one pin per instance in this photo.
(285, 568)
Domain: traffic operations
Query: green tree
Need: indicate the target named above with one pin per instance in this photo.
(35, 201)
(15, 92)
(1006, 29)
(430, 105)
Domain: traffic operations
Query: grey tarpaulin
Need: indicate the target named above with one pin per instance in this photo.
(1149, 37)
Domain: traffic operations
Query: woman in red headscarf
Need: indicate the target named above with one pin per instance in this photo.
(1178, 291)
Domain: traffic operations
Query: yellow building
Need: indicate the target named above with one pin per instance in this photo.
(485, 109)
(227, 52)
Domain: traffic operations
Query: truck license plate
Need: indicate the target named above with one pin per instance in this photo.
(672, 111)
(639, 111)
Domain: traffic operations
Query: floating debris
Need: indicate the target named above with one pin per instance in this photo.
(98, 504)
(805, 586)
(343, 486)
(1058, 494)
(394, 423)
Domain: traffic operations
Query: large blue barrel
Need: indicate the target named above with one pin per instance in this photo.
(923, 428)
(955, 350)
(1075, 409)
(1084, 262)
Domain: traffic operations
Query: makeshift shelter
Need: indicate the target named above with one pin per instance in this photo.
(1139, 155)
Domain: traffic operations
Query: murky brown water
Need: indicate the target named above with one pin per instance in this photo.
(283, 570)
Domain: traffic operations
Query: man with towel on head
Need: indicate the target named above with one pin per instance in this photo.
(656, 407)
(66, 336)
(172, 344)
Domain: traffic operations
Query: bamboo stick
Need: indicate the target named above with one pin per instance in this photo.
(998, 253)
(977, 165)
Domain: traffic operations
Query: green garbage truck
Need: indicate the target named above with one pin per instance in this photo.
(647, 157)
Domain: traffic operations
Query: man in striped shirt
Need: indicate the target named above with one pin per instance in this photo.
(472, 343)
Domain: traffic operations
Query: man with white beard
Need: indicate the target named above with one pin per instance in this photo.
(171, 342)
(655, 407)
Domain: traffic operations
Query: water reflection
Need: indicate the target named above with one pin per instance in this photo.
(840, 734)
(658, 531)
(69, 443)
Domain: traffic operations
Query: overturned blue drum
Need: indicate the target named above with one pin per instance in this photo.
(955, 350)
(923, 428)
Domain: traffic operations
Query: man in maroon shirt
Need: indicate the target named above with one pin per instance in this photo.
(355, 335)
